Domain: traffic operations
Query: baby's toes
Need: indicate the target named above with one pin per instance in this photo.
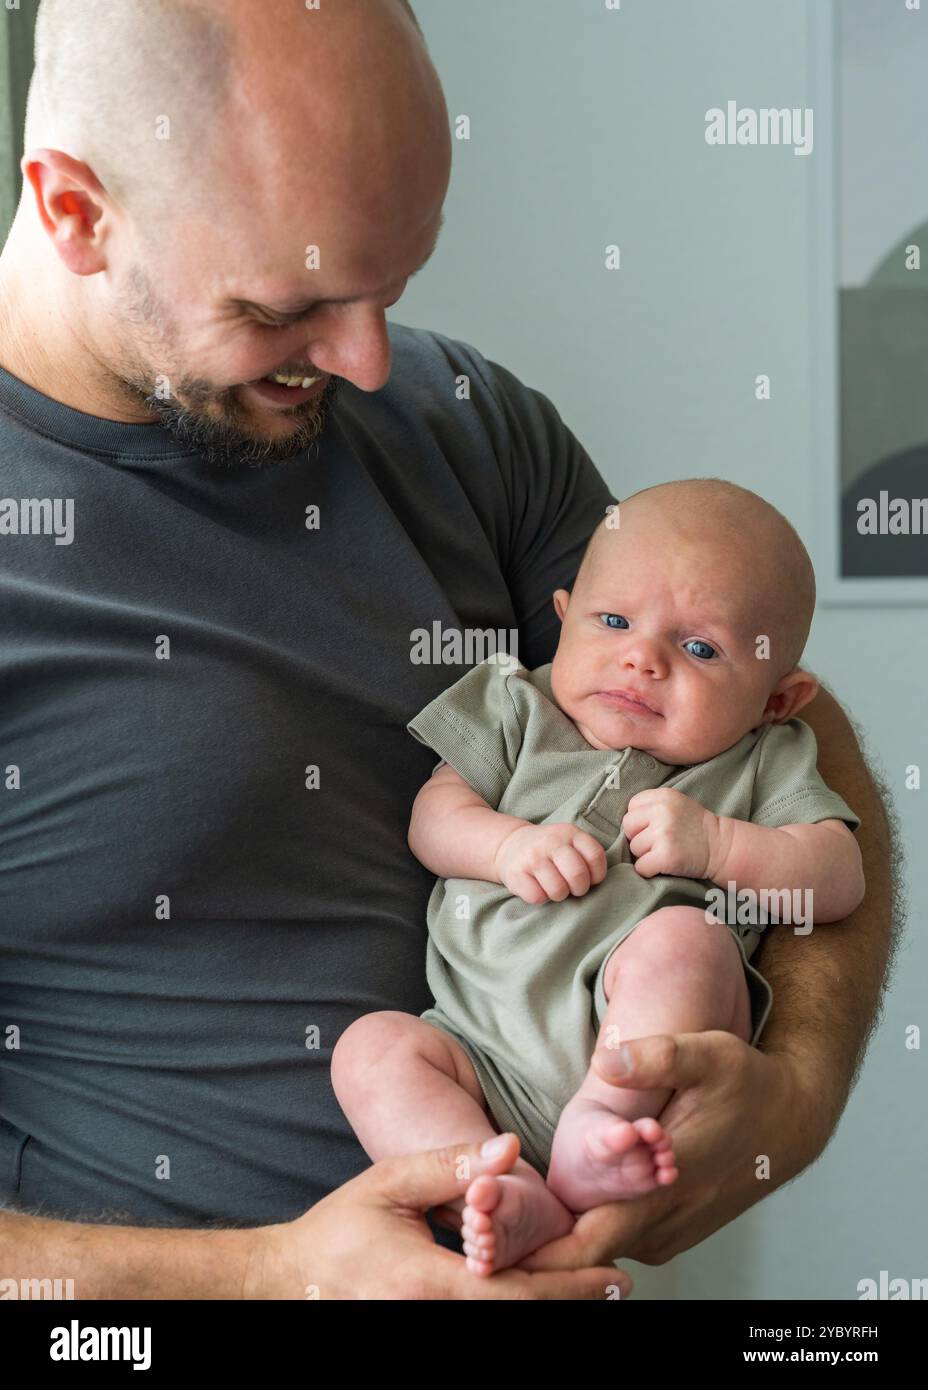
(665, 1164)
(649, 1130)
(483, 1195)
(482, 1238)
(476, 1221)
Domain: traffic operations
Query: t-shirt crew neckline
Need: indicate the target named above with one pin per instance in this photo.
(90, 433)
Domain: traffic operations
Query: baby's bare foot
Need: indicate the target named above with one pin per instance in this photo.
(598, 1157)
(505, 1218)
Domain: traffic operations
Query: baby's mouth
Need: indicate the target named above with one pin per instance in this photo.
(631, 704)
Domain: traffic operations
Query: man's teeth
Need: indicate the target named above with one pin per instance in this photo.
(302, 381)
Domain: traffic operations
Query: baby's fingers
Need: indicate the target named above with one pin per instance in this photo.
(633, 822)
(525, 886)
(593, 853)
(574, 869)
(647, 864)
(552, 881)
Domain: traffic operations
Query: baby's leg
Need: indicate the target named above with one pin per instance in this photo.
(407, 1087)
(676, 973)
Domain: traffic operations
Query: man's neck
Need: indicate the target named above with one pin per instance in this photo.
(39, 345)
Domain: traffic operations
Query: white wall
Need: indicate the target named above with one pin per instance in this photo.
(587, 129)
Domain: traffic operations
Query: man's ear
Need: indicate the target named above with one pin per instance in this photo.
(791, 693)
(70, 201)
(561, 600)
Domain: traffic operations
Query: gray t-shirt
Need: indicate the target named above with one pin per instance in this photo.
(188, 922)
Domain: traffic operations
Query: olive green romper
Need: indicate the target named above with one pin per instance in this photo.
(520, 987)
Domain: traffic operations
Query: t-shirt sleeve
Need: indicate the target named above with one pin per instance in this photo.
(543, 499)
(557, 496)
(788, 789)
(474, 725)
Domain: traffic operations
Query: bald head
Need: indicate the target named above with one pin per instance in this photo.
(220, 196)
(164, 99)
(765, 565)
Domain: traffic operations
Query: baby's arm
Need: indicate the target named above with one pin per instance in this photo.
(671, 833)
(824, 858)
(453, 831)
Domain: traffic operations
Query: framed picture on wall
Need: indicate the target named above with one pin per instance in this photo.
(870, 302)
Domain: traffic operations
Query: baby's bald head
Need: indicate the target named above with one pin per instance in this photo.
(760, 566)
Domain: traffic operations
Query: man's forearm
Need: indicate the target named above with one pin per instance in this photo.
(827, 985)
(127, 1261)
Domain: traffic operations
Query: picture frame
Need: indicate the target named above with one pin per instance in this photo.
(869, 306)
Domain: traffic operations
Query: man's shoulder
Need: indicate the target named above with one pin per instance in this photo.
(451, 370)
(427, 350)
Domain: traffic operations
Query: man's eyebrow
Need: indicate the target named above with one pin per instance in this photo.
(297, 309)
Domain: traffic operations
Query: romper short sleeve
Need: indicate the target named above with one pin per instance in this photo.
(474, 725)
(788, 789)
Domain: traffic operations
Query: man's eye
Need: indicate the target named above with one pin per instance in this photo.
(701, 649)
(614, 620)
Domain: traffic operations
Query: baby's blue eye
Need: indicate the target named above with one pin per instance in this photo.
(614, 620)
(700, 649)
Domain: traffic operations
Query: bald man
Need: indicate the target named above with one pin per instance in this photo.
(242, 493)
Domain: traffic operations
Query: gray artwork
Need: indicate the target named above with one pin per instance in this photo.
(883, 304)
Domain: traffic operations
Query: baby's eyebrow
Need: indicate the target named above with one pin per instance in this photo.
(690, 625)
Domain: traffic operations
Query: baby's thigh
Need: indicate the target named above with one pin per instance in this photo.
(381, 1044)
(669, 937)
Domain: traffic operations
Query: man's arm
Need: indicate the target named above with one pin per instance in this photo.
(828, 985)
(127, 1261)
(366, 1240)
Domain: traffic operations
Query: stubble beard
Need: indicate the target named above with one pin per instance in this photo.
(205, 419)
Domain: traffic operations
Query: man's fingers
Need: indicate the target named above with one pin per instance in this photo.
(447, 1216)
(597, 1285)
(605, 1233)
(420, 1181)
(675, 1061)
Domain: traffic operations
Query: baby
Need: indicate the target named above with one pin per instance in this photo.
(582, 818)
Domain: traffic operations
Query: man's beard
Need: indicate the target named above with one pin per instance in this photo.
(224, 435)
(224, 442)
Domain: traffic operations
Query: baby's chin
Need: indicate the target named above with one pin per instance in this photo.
(627, 731)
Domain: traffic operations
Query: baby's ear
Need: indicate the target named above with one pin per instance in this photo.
(791, 693)
(561, 600)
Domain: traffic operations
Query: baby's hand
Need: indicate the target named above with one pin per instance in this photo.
(670, 833)
(547, 863)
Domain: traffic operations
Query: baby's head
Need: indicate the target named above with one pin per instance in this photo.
(694, 598)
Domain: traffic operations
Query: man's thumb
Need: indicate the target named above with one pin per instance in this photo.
(674, 1061)
(429, 1179)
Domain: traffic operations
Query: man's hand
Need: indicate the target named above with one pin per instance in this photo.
(548, 863)
(670, 833)
(369, 1239)
(734, 1105)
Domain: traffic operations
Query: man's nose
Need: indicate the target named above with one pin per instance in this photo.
(352, 341)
